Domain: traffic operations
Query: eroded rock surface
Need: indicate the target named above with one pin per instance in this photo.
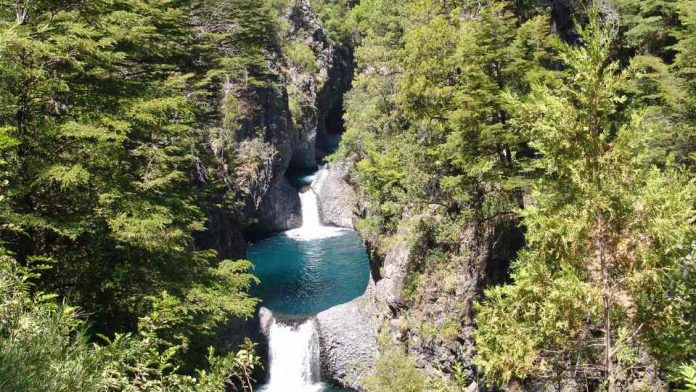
(338, 202)
(348, 339)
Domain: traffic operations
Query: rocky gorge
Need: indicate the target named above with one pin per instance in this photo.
(288, 126)
(426, 309)
(348, 195)
(301, 122)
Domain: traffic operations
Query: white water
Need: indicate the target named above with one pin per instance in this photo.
(295, 363)
(312, 228)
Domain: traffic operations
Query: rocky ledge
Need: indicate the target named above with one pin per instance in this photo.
(348, 341)
(338, 202)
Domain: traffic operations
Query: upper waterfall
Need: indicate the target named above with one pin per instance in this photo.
(312, 228)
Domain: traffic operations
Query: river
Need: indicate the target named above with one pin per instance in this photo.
(303, 272)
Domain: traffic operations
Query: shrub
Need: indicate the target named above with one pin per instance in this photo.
(302, 56)
(395, 371)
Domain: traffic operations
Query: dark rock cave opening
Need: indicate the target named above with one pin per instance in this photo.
(334, 123)
(330, 130)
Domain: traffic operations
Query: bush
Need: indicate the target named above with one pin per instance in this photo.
(395, 371)
(302, 56)
(44, 347)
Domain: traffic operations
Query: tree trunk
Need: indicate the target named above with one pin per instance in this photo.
(609, 360)
(606, 304)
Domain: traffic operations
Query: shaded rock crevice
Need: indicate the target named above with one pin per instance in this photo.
(318, 94)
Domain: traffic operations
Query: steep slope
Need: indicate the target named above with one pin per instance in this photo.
(280, 125)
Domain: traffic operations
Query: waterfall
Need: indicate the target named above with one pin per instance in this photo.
(310, 211)
(295, 363)
(312, 228)
(294, 355)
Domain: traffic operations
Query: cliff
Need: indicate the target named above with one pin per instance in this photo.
(291, 122)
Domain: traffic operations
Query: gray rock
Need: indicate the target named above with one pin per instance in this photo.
(348, 338)
(280, 209)
(265, 321)
(338, 202)
(397, 265)
(444, 301)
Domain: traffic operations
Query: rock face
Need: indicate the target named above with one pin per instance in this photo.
(251, 161)
(280, 209)
(394, 271)
(318, 95)
(348, 340)
(338, 202)
(271, 203)
(434, 322)
(440, 314)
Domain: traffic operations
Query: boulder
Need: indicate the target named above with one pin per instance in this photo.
(348, 340)
(338, 202)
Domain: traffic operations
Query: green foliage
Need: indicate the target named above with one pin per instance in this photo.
(460, 108)
(42, 344)
(105, 110)
(45, 347)
(604, 229)
(335, 18)
(654, 36)
(302, 56)
(427, 121)
(295, 104)
(395, 371)
(687, 377)
(649, 25)
(685, 61)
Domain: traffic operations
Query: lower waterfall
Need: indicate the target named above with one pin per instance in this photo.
(294, 357)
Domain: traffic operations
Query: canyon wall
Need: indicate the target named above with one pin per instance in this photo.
(290, 124)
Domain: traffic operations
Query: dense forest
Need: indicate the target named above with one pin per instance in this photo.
(141, 142)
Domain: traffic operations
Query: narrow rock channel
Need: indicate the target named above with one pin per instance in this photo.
(304, 271)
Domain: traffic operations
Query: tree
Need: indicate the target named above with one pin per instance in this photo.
(442, 91)
(605, 231)
(45, 347)
(99, 132)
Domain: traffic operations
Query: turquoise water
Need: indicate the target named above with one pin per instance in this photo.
(303, 272)
(302, 278)
(301, 177)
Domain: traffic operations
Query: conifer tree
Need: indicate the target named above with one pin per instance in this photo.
(685, 62)
(605, 231)
(97, 140)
